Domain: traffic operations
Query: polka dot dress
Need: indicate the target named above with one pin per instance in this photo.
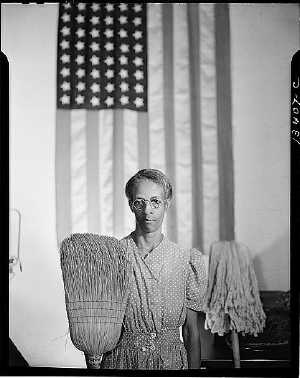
(163, 284)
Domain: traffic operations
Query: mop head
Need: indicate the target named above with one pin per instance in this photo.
(232, 299)
(96, 278)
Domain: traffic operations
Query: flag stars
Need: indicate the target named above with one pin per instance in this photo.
(95, 88)
(80, 33)
(138, 48)
(95, 73)
(124, 86)
(95, 101)
(65, 58)
(123, 73)
(122, 33)
(79, 45)
(66, 17)
(138, 61)
(94, 33)
(127, 63)
(137, 34)
(80, 86)
(94, 46)
(123, 59)
(137, 21)
(123, 7)
(80, 72)
(139, 88)
(109, 33)
(137, 8)
(94, 20)
(95, 7)
(109, 46)
(81, 6)
(79, 59)
(110, 87)
(139, 102)
(109, 60)
(124, 48)
(79, 99)
(109, 101)
(66, 86)
(139, 75)
(65, 31)
(65, 72)
(80, 18)
(109, 74)
(94, 60)
(122, 19)
(124, 100)
(109, 7)
(64, 44)
(108, 20)
(65, 99)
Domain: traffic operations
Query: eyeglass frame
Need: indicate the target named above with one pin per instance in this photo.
(162, 201)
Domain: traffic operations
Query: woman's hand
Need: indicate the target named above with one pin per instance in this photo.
(93, 362)
(191, 338)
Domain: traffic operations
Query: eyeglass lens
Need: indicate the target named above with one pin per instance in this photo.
(141, 203)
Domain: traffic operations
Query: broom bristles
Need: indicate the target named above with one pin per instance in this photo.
(96, 277)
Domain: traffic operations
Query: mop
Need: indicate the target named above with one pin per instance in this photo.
(96, 278)
(232, 302)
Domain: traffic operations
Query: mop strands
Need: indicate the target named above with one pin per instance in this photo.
(232, 299)
(96, 277)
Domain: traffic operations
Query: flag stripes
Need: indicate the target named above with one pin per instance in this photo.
(155, 92)
(79, 197)
(195, 110)
(118, 171)
(186, 133)
(143, 139)
(63, 174)
(92, 152)
(157, 135)
(106, 182)
(183, 140)
(168, 102)
(209, 126)
(132, 159)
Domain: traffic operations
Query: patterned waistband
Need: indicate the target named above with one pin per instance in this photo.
(151, 341)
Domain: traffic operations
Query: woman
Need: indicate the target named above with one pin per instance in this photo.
(167, 286)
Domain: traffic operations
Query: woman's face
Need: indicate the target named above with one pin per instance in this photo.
(149, 219)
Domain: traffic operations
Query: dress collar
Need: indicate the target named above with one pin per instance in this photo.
(154, 260)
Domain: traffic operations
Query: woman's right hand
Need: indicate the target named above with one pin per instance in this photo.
(93, 361)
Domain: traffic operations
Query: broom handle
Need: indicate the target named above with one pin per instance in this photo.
(93, 362)
(235, 349)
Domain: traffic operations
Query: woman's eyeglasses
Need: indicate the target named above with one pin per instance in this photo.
(140, 203)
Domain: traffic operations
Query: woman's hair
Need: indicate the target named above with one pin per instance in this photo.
(153, 175)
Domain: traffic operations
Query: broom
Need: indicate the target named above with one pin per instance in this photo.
(95, 275)
(232, 301)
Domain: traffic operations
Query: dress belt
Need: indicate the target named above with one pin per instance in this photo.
(151, 341)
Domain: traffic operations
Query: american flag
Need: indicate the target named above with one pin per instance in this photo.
(144, 85)
(102, 60)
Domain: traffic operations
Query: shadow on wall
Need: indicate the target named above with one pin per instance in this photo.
(272, 265)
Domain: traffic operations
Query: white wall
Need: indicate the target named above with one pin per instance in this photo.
(38, 320)
(264, 38)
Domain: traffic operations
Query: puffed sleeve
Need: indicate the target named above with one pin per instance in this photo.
(197, 279)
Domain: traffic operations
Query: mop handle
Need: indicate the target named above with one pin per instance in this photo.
(235, 349)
